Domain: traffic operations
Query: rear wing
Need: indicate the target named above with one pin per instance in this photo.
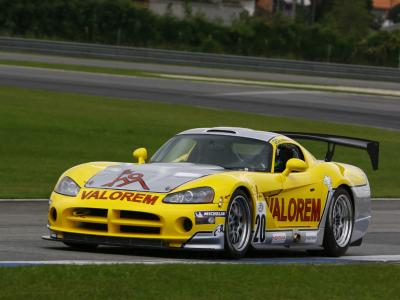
(372, 147)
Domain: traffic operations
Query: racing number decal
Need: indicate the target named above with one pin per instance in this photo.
(259, 234)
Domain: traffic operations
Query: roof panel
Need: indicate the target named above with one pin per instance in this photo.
(234, 131)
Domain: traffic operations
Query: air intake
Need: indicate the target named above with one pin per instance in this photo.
(222, 131)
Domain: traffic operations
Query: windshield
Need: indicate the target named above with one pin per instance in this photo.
(229, 152)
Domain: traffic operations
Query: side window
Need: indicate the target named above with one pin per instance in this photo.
(284, 152)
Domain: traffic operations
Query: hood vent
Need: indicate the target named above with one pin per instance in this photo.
(222, 131)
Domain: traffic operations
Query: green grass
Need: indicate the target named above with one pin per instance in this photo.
(44, 133)
(201, 282)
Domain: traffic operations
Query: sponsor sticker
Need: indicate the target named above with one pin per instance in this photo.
(260, 207)
(278, 238)
(311, 237)
(215, 213)
(208, 217)
(219, 230)
(121, 196)
(295, 209)
(208, 220)
(277, 140)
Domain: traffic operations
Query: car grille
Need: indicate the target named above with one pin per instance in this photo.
(122, 222)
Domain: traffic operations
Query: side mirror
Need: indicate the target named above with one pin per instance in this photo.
(141, 155)
(296, 165)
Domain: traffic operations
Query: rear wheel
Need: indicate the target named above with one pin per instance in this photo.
(339, 224)
(238, 226)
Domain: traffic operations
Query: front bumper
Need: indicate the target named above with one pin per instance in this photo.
(105, 240)
(134, 224)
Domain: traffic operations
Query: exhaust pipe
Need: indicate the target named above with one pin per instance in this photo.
(296, 237)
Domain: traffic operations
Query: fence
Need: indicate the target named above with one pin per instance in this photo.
(200, 59)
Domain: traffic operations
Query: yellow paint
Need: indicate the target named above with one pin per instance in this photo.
(274, 188)
(141, 155)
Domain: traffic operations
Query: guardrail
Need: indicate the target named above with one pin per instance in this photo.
(200, 59)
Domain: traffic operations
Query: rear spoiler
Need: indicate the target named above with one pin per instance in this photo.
(372, 147)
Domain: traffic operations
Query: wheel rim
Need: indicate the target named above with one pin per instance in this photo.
(239, 223)
(342, 220)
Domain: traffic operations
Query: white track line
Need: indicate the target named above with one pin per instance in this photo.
(269, 261)
(327, 88)
(373, 258)
(94, 262)
(24, 200)
(281, 92)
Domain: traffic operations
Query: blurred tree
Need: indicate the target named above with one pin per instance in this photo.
(350, 18)
(370, 4)
(394, 14)
(321, 8)
(334, 38)
(381, 48)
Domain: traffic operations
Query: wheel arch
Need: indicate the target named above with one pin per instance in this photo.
(250, 198)
(347, 188)
(246, 196)
(330, 242)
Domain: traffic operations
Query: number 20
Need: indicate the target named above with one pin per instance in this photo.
(259, 235)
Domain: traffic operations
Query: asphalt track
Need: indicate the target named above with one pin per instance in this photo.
(377, 111)
(189, 70)
(23, 223)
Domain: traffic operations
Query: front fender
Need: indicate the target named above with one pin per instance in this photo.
(224, 184)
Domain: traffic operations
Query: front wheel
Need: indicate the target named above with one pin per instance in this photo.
(238, 226)
(339, 224)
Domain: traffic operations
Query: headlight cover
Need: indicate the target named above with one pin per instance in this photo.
(192, 196)
(67, 187)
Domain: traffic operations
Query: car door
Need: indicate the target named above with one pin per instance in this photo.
(298, 204)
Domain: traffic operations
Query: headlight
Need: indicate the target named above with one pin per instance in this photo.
(197, 195)
(67, 187)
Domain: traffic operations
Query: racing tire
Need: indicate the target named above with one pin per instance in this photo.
(81, 246)
(339, 224)
(237, 234)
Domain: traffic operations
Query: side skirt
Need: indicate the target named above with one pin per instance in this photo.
(289, 238)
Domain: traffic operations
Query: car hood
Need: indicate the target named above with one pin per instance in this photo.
(154, 177)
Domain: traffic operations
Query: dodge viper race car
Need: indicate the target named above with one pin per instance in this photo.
(218, 188)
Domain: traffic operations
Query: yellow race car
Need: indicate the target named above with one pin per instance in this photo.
(220, 188)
